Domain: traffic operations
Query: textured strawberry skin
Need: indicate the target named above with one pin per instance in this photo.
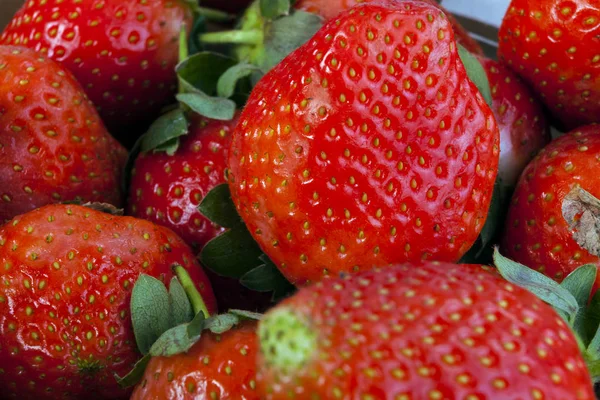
(329, 9)
(524, 130)
(68, 271)
(167, 189)
(122, 52)
(354, 153)
(437, 331)
(53, 145)
(553, 45)
(217, 367)
(536, 233)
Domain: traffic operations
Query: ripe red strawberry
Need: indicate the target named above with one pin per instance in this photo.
(53, 145)
(168, 189)
(436, 331)
(217, 367)
(330, 9)
(553, 46)
(523, 127)
(122, 52)
(367, 146)
(67, 277)
(536, 233)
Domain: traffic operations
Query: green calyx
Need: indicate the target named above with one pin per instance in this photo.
(287, 342)
(476, 73)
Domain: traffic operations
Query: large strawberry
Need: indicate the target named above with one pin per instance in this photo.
(167, 189)
(523, 127)
(122, 52)
(553, 46)
(432, 331)
(219, 366)
(53, 145)
(367, 146)
(67, 275)
(536, 233)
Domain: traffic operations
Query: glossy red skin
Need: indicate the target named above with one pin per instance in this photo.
(193, 378)
(99, 258)
(536, 233)
(437, 331)
(53, 145)
(329, 9)
(524, 130)
(167, 190)
(439, 197)
(553, 45)
(122, 52)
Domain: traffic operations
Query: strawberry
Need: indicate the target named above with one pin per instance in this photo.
(218, 366)
(123, 53)
(523, 127)
(67, 277)
(431, 331)
(552, 45)
(53, 145)
(536, 233)
(168, 189)
(328, 9)
(367, 146)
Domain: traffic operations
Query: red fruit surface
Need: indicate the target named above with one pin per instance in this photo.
(53, 145)
(122, 52)
(329, 9)
(523, 127)
(437, 331)
(217, 367)
(536, 233)
(365, 147)
(553, 45)
(67, 274)
(167, 189)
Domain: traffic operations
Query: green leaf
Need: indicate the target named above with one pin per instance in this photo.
(179, 339)
(476, 73)
(286, 34)
(243, 314)
(165, 129)
(218, 207)
(591, 319)
(181, 308)
(135, 375)
(232, 254)
(272, 9)
(201, 72)
(221, 323)
(198, 28)
(268, 278)
(211, 107)
(149, 311)
(580, 282)
(229, 80)
(538, 284)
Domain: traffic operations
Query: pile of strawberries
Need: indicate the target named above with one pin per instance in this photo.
(359, 171)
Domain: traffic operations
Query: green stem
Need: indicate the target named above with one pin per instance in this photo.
(215, 15)
(249, 37)
(184, 51)
(191, 291)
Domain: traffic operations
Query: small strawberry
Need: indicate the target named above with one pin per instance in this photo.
(431, 331)
(68, 272)
(122, 52)
(53, 145)
(367, 146)
(536, 233)
(328, 9)
(521, 120)
(218, 366)
(167, 189)
(553, 46)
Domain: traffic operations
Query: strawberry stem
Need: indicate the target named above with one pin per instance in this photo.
(215, 15)
(247, 37)
(190, 289)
